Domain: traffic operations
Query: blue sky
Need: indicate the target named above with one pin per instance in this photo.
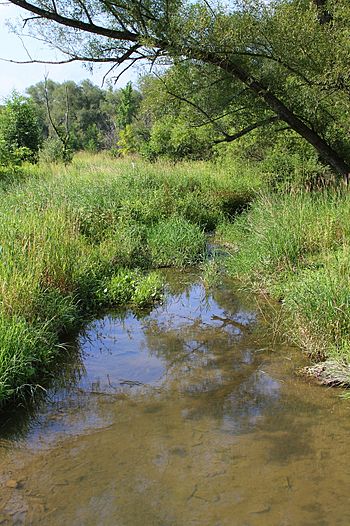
(20, 76)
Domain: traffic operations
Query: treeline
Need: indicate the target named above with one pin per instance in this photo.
(189, 111)
(55, 120)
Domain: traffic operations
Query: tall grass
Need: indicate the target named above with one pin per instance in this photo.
(297, 248)
(78, 238)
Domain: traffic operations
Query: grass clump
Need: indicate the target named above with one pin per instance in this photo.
(131, 287)
(176, 242)
(147, 290)
(296, 248)
(318, 300)
(23, 346)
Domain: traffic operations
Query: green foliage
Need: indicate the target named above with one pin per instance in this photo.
(127, 143)
(127, 106)
(24, 348)
(88, 113)
(53, 151)
(131, 287)
(126, 243)
(20, 136)
(176, 242)
(147, 290)
(173, 139)
(291, 163)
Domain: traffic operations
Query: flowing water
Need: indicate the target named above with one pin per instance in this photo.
(186, 415)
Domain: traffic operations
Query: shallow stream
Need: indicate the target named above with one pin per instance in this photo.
(190, 414)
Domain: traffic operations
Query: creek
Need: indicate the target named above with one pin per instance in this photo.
(189, 414)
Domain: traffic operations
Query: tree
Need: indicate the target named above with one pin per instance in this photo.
(91, 112)
(127, 106)
(20, 133)
(191, 107)
(291, 56)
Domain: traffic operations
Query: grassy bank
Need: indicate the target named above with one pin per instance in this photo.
(297, 249)
(75, 240)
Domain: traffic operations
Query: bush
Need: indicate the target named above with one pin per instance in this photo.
(20, 134)
(53, 151)
(127, 143)
(175, 140)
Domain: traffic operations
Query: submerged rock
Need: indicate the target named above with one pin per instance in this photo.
(14, 484)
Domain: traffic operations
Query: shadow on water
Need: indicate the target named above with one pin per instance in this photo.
(186, 414)
(16, 422)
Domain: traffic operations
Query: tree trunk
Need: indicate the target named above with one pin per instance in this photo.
(326, 152)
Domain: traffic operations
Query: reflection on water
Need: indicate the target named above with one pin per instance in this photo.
(185, 415)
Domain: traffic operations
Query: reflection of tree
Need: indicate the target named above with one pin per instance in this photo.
(205, 341)
(214, 362)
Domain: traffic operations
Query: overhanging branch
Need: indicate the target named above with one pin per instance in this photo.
(194, 105)
(247, 129)
(77, 24)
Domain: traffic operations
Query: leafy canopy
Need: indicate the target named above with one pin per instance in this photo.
(290, 55)
(20, 134)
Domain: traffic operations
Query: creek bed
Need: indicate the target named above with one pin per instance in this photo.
(190, 414)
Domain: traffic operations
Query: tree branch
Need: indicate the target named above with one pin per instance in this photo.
(193, 104)
(88, 16)
(219, 117)
(247, 129)
(56, 130)
(77, 24)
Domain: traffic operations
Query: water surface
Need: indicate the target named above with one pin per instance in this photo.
(190, 414)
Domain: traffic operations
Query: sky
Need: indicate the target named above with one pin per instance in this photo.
(20, 76)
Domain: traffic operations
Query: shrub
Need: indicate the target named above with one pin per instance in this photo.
(20, 134)
(53, 151)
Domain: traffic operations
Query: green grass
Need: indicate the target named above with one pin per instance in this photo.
(77, 239)
(176, 242)
(297, 249)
